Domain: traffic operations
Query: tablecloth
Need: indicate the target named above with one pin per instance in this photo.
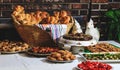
(24, 62)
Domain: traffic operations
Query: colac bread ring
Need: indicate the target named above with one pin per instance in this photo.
(20, 17)
(44, 14)
(57, 16)
(56, 13)
(52, 20)
(38, 17)
(65, 20)
(15, 13)
(27, 18)
(63, 13)
(41, 17)
(19, 8)
(45, 21)
(38, 13)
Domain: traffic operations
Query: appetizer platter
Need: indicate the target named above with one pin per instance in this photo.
(41, 51)
(101, 52)
(78, 39)
(102, 47)
(8, 47)
(90, 65)
(102, 57)
(61, 56)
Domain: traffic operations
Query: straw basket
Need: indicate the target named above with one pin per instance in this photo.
(58, 30)
(33, 35)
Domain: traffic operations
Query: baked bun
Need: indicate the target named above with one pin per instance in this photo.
(44, 14)
(61, 55)
(65, 20)
(38, 17)
(63, 13)
(41, 17)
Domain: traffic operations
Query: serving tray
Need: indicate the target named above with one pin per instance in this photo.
(86, 50)
(109, 57)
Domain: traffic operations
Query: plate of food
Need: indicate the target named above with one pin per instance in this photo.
(41, 51)
(78, 39)
(102, 47)
(103, 57)
(61, 56)
(10, 47)
(91, 65)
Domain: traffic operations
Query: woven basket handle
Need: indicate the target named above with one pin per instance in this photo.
(70, 25)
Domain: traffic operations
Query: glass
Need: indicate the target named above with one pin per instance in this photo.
(77, 49)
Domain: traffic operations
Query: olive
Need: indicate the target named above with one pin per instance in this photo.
(103, 58)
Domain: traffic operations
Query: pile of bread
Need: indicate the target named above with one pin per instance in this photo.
(41, 17)
(61, 55)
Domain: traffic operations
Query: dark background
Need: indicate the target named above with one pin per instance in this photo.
(78, 9)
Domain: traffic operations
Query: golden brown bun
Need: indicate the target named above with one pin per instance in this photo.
(62, 55)
(48, 20)
(65, 20)
(38, 17)
(19, 8)
(52, 19)
(44, 15)
(63, 13)
(28, 17)
(56, 13)
(20, 17)
(15, 13)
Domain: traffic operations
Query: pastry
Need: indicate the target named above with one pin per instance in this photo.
(41, 17)
(62, 55)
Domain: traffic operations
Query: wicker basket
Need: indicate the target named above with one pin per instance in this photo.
(33, 35)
